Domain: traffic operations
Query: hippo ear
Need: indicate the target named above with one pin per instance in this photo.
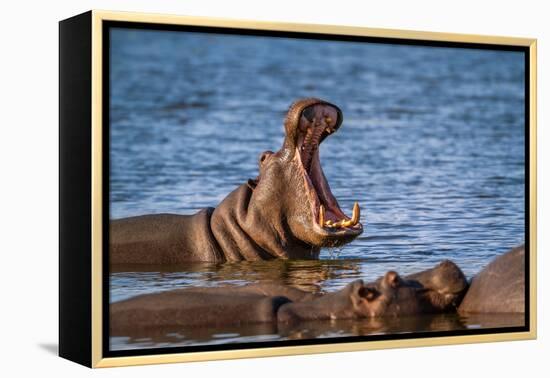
(392, 279)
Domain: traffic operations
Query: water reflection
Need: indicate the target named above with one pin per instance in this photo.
(162, 337)
(308, 275)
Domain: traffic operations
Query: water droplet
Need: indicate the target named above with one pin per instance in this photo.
(334, 253)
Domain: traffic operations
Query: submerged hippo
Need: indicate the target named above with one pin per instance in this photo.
(222, 306)
(288, 211)
(391, 295)
(499, 287)
(432, 291)
(444, 285)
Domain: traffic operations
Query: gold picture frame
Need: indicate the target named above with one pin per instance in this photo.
(91, 24)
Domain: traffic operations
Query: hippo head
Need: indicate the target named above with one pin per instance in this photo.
(368, 301)
(293, 179)
(445, 284)
(435, 290)
(288, 211)
(402, 297)
(355, 300)
(448, 279)
(364, 300)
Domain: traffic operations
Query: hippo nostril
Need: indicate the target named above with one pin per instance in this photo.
(308, 113)
(264, 156)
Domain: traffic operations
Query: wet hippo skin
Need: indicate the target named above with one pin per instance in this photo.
(354, 301)
(228, 306)
(390, 295)
(499, 287)
(193, 308)
(444, 286)
(288, 211)
(435, 290)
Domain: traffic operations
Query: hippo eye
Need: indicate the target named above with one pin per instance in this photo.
(368, 293)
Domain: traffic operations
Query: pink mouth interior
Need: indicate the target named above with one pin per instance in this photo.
(316, 182)
(322, 189)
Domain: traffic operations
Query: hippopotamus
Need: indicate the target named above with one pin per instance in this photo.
(436, 290)
(288, 211)
(390, 295)
(222, 306)
(499, 287)
(443, 287)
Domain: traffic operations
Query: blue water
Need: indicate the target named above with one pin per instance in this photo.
(432, 146)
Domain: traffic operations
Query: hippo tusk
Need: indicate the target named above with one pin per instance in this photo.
(321, 215)
(354, 218)
(356, 214)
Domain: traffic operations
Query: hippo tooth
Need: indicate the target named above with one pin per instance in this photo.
(321, 215)
(328, 130)
(354, 218)
(356, 214)
(346, 223)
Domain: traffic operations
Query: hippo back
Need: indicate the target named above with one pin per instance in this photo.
(190, 308)
(499, 287)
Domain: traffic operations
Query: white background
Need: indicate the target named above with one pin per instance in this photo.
(29, 190)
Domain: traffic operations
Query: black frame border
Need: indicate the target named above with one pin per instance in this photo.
(75, 182)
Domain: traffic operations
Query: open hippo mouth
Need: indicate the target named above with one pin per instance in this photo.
(316, 122)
